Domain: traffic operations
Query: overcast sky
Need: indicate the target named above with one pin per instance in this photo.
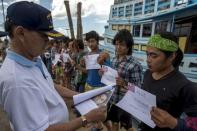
(95, 13)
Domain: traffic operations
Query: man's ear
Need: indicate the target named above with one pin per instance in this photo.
(19, 33)
(172, 57)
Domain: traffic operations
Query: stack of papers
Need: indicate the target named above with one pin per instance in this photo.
(89, 100)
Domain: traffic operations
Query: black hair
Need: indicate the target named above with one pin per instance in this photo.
(79, 43)
(70, 40)
(124, 36)
(179, 53)
(9, 26)
(65, 39)
(92, 34)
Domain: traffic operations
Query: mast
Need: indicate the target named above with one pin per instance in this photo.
(3, 11)
(79, 22)
(69, 18)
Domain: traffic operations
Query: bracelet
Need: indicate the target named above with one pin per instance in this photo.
(84, 121)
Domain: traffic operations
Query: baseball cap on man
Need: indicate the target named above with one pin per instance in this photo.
(32, 16)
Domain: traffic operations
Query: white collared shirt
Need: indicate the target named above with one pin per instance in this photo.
(28, 95)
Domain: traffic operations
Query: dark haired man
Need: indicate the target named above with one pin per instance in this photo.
(129, 70)
(93, 78)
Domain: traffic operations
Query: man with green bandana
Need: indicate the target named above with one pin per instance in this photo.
(162, 43)
(175, 94)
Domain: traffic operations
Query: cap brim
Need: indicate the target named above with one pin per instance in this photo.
(54, 34)
(3, 33)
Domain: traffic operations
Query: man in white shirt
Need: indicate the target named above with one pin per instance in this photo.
(27, 92)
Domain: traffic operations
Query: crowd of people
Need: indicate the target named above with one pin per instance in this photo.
(38, 75)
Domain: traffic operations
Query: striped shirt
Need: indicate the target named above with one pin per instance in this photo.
(128, 69)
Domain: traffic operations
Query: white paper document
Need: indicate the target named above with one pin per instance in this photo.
(87, 101)
(57, 58)
(66, 57)
(86, 106)
(91, 61)
(109, 76)
(138, 103)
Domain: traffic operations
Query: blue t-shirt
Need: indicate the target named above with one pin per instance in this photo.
(94, 79)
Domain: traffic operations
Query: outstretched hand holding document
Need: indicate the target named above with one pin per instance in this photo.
(138, 103)
(87, 101)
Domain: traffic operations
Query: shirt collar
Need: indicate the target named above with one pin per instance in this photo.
(20, 59)
(126, 58)
(25, 62)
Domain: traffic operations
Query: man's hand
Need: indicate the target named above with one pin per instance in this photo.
(96, 115)
(162, 118)
(121, 82)
(82, 62)
(102, 57)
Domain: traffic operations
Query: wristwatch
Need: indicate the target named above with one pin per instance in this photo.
(84, 121)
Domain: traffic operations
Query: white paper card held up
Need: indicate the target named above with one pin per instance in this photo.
(109, 76)
(57, 58)
(138, 103)
(91, 61)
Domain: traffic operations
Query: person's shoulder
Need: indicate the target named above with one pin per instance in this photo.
(132, 59)
(7, 67)
(13, 74)
(180, 76)
(134, 62)
(7, 73)
(189, 85)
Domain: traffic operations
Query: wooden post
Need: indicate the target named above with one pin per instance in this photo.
(79, 21)
(69, 19)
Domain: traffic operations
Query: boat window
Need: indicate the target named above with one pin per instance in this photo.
(163, 4)
(128, 27)
(114, 27)
(161, 26)
(143, 48)
(149, 6)
(147, 29)
(180, 2)
(181, 64)
(109, 40)
(136, 30)
(120, 27)
(191, 65)
(182, 29)
(114, 12)
(129, 9)
(121, 1)
(136, 47)
(138, 8)
(121, 12)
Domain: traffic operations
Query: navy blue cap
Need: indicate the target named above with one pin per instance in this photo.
(32, 16)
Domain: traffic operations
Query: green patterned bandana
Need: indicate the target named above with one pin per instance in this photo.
(162, 43)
